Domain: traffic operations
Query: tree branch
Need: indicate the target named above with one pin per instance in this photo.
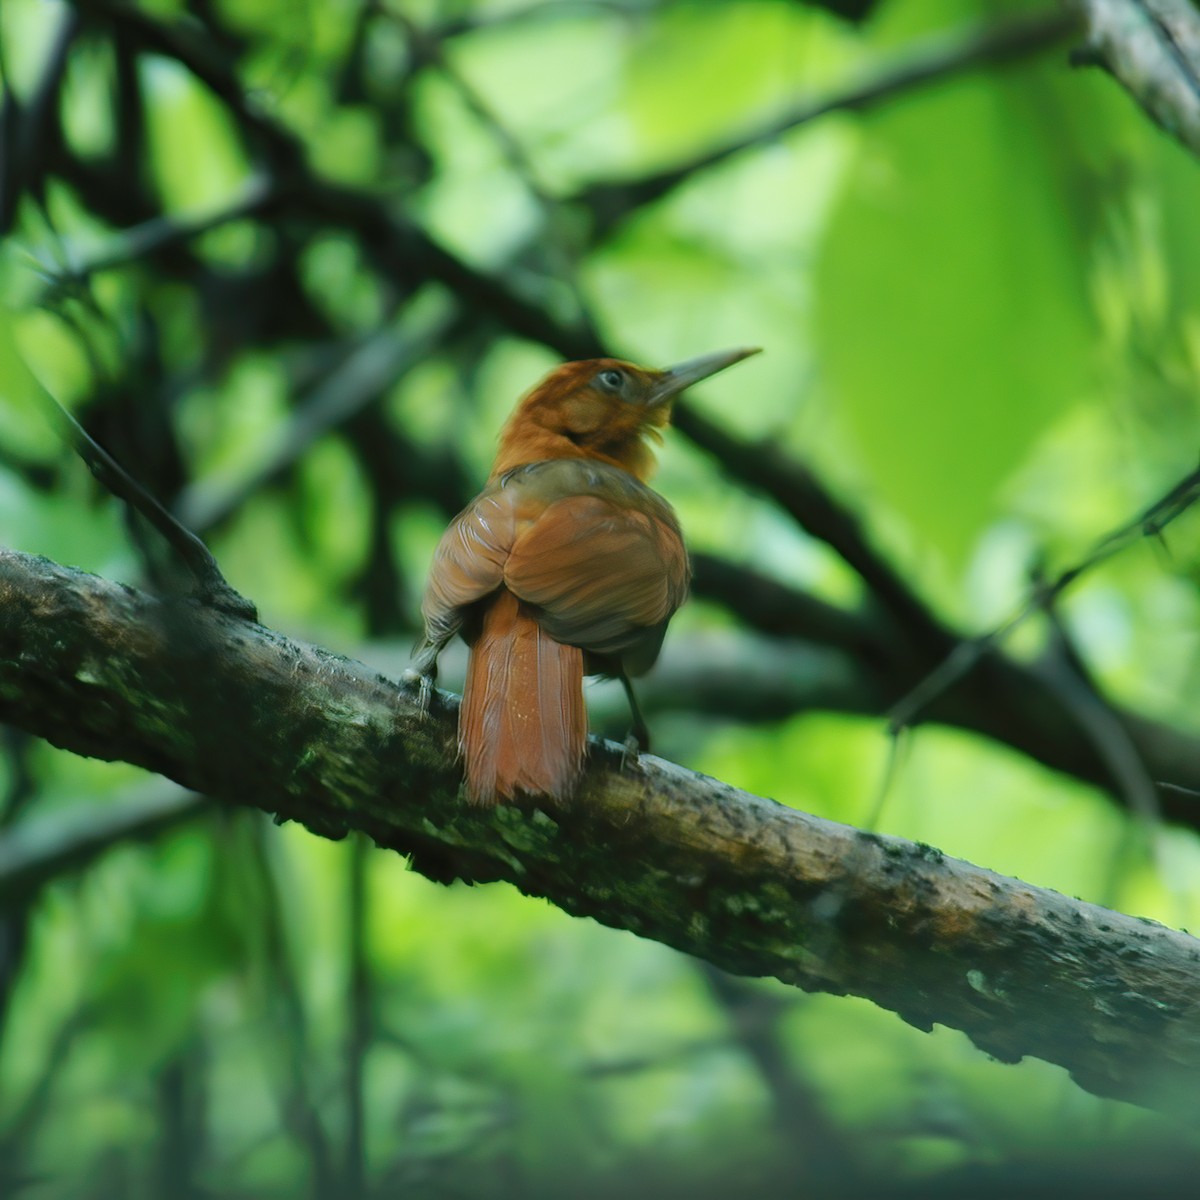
(927, 61)
(1152, 48)
(251, 717)
(39, 849)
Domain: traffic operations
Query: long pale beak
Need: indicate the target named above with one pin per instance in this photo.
(675, 379)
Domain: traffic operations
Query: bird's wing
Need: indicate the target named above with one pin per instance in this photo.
(469, 561)
(596, 552)
(604, 573)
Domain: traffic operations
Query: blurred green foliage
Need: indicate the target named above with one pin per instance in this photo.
(979, 305)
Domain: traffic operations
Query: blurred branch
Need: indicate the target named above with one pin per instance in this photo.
(668, 1056)
(391, 240)
(18, 789)
(183, 1128)
(734, 675)
(23, 127)
(448, 27)
(358, 1023)
(929, 669)
(935, 58)
(1152, 48)
(19, 1136)
(287, 1019)
(39, 849)
(370, 368)
(248, 716)
(774, 608)
(552, 242)
(763, 467)
(189, 44)
(852, 10)
(156, 235)
(818, 1151)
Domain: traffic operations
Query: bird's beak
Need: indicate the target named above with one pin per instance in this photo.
(673, 380)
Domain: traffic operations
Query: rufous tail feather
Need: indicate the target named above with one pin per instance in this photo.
(522, 726)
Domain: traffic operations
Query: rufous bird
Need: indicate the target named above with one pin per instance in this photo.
(566, 564)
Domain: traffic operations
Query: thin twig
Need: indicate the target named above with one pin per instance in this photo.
(154, 236)
(967, 654)
(1067, 674)
(211, 585)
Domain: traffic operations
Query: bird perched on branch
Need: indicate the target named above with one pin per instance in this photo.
(565, 564)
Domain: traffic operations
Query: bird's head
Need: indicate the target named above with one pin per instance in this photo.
(601, 408)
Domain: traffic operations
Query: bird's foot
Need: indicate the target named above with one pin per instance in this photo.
(424, 673)
(424, 681)
(631, 752)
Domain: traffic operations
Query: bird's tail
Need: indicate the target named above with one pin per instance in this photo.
(522, 726)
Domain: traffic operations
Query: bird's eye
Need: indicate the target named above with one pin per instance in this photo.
(611, 380)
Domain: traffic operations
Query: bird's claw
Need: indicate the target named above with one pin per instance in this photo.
(424, 681)
(631, 752)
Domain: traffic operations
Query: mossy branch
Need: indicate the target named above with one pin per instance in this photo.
(239, 712)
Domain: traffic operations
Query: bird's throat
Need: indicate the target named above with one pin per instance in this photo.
(521, 446)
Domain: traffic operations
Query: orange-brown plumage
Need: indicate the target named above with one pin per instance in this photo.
(565, 564)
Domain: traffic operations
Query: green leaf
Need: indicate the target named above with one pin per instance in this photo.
(194, 151)
(951, 316)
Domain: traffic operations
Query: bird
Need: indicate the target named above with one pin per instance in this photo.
(567, 563)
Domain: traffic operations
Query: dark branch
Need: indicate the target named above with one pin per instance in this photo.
(394, 243)
(937, 58)
(937, 673)
(250, 717)
(372, 366)
(39, 849)
(764, 468)
(153, 237)
(1025, 706)
(211, 586)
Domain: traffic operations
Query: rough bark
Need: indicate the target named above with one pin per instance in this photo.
(232, 709)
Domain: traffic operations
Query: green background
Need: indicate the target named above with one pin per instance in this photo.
(980, 311)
